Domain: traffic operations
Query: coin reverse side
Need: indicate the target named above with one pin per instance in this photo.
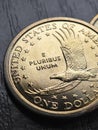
(52, 67)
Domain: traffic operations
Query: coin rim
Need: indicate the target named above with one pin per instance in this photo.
(20, 97)
(94, 20)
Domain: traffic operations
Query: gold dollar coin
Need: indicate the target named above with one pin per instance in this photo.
(52, 67)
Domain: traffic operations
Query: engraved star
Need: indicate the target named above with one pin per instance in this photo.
(32, 44)
(84, 91)
(26, 51)
(30, 84)
(92, 47)
(64, 97)
(47, 34)
(54, 97)
(24, 77)
(22, 68)
(23, 59)
(86, 40)
(39, 38)
(96, 55)
(91, 85)
(30, 62)
(75, 95)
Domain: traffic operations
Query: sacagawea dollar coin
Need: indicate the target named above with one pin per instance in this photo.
(52, 67)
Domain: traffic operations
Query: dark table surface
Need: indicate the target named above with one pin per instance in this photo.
(14, 16)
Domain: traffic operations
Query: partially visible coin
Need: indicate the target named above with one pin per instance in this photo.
(94, 21)
(52, 67)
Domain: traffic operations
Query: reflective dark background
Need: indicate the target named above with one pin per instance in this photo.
(14, 16)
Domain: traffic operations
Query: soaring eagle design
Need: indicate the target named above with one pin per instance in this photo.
(76, 69)
(76, 64)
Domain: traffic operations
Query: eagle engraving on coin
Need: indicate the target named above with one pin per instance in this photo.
(76, 69)
(76, 65)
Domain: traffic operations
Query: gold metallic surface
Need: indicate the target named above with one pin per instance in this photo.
(94, 21)
(52, 67)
